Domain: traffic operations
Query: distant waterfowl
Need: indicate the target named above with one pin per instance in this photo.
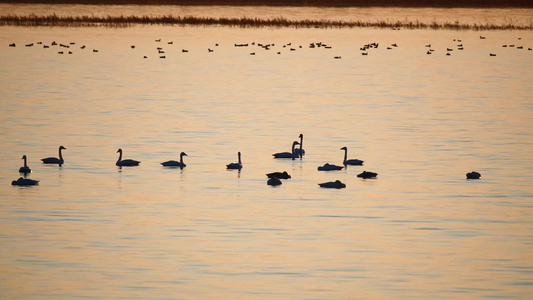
(492, 54)
(125, 162)
(53, 160)
(328, 167)
(12, 45)
(337, 184)
(473, 175)
(235, 166)
(352, 162)
(366, 175)
(279, 175)
(291, 154)
(24, 169)
(274, 181)
(25, 181)
(300, 151)
(173, 163)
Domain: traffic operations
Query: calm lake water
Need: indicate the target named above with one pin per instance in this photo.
(420, 230)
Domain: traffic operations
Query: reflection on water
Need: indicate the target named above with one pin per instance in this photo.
(422, 121)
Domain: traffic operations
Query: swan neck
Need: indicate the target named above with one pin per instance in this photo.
(25, 165)
(119, 156)
(60, 155)
(345, 155)
(240, 163)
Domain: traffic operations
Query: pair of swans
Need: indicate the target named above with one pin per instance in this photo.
(131, 162)
(295, 152)
(274, 178)
(345, 162)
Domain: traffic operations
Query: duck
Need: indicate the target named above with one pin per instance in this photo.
(25, 181)
(328, 167)
(337, 184)
(366, 175)
(300, 151)
(173, 163)
(24, 169)
(54, 160)
(235, 166)
(274, 182)
(126, 162)
(292, 154)
(279, 175)
(473, 175)
(353, 162)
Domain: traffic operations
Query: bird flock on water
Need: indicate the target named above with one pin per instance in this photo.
(274, 178)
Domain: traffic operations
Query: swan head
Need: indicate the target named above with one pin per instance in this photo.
(62, 148)
(23, 156)
(183, 154)
(301, 136)
(119, 150)
(344, 148)
(295, 143)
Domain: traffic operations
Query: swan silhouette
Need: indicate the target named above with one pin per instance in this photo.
(279, 175)
(25, 181)
(291, 154)
(353, 162)
(366, 175)
(473, 175)
(328, 167)
(53, 160)
(173, 163)
(300, 151)
(274, 181)
(337, 184)
(235, 166)
(24, 169)
(125, 162)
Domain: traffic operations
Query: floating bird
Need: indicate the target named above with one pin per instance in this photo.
(473, 175)
(279, 175)
(274, 181)
(328, 167)
(300, 151)
(25, 181)
(125, 162)
(24, 169)
(353, 162)
(173, 163)
(12, 45)
(337, 184)
(367, 175)
(53, 160)
(492, 54)
(235, 166)
(292, 154)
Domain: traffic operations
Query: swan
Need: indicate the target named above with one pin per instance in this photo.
(126, 162)
(274, 181)
(173, 163)
(300, 151)
(279, 175)
(292, 154)
(328, 167)
(24, 169)
(337, 184)
(25, 181)
(473, 175)
(53, 160)
(367, 175)
(235, 166)
(353, 162)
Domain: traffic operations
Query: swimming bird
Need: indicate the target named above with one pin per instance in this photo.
(274, 181)
(328, 167)
(235, 166)
(125, 162)
(337, 184)
(300, 151)
(353, 162)
(291, 154)
(173, 163)
(366, 175)
(473, 175)
(53, 160)
(279, 175)
(25, 181)
(24, 169)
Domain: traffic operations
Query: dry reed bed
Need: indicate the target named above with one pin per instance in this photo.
(127, 21)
